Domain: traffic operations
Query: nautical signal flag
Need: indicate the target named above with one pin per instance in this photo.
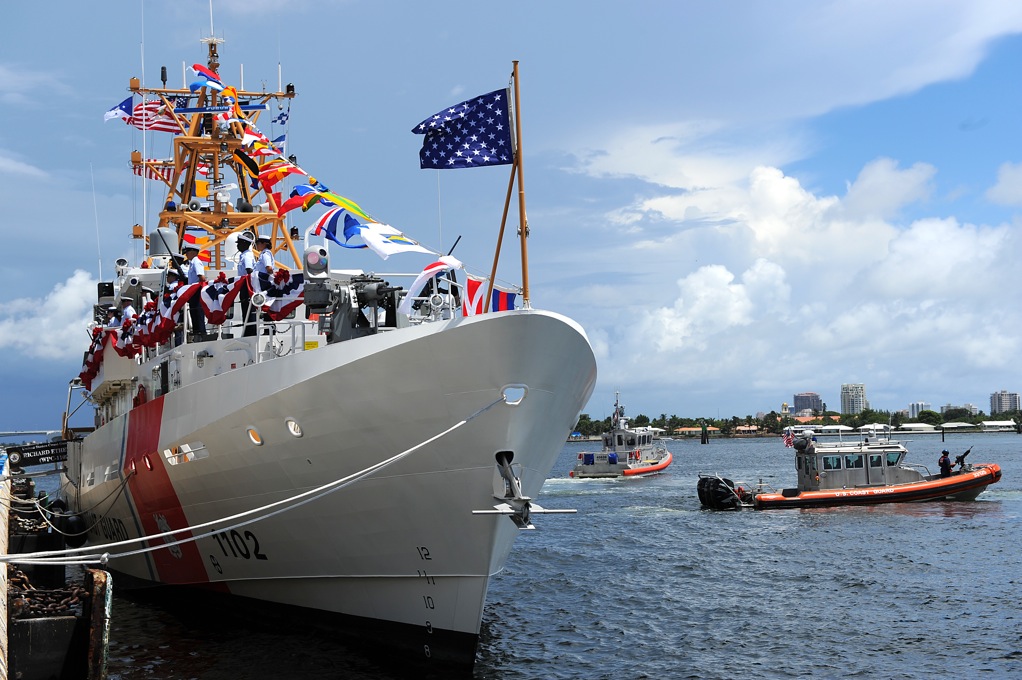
(502, 299)
(122, 111)
(206, 78)
(191, 239)
(474, 133)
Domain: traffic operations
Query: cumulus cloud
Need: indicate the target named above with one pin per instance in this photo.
(710, 302)
(52, 327)
(828, 288)
(1008, 189)
(882, 189)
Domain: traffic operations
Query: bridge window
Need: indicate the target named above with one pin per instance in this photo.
(853, 462)
(832, 462)
(893, 458)
(876, 460)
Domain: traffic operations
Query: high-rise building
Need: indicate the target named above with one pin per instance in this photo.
(1004, 401)
(915, 407)
(971, 408)
(808, 401)
(853, 398)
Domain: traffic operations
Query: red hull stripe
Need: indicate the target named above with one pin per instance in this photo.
(154, 499)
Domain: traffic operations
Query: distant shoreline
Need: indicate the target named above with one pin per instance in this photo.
(894, 434)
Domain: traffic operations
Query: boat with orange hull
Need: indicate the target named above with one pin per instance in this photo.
(868, 472)
(627, 451)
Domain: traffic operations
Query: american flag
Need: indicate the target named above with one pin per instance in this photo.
(150, 172)
(474, 133)
(789, 438)
(152, 115)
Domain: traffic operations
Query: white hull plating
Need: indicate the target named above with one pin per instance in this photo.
(401, 545)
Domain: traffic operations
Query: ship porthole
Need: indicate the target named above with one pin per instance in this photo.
(514, 394)
(254, 435)
(293, 427)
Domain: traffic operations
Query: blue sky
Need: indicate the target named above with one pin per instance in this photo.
(738, 201)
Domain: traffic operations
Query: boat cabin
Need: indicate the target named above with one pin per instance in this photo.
(622, 440)
(848, 465)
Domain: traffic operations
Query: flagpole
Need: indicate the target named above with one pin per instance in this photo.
(523, 229)
(500, 240)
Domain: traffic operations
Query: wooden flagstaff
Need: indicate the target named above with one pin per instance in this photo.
(523, 222)
(516, 169)
(500, 240)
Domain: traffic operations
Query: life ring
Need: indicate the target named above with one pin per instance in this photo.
(140, 396)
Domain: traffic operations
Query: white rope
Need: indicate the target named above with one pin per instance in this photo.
(74, 556)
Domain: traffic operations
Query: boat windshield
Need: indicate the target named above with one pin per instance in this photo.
(893, 457)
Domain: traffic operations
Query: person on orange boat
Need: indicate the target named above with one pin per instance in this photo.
(196, 274)
(945, 463)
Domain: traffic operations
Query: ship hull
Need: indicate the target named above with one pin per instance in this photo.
(400, 546)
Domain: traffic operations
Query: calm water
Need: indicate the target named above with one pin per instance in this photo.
(642, 583)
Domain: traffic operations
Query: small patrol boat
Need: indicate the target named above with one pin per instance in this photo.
(627, 451)
(866, 472)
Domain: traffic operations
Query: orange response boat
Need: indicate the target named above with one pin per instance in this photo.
(866, 472)
(627, 451)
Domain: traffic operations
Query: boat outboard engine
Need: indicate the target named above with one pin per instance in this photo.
(718, 493)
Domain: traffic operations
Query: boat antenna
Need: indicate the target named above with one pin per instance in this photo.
(455, 244)
(211, 33)
(145, 117)
(95, 211)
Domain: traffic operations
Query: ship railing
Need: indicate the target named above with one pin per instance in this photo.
(436, 305)
(918, 467)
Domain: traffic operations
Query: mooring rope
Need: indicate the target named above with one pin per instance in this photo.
(71, 556)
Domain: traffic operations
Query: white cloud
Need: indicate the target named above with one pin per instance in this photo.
(13, 166)
(1008, 190)
(52, 327)
(882, 189)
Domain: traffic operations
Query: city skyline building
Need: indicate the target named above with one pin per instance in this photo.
(853, 398)
(916, 407)
(1004, 401)
(808, 401)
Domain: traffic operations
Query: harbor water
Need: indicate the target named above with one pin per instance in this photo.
(642, 583)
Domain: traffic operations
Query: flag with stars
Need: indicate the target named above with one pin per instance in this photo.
(474, 133)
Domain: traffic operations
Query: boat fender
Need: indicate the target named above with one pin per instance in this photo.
(74, 528)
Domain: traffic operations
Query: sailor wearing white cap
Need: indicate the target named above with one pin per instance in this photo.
(246, 264)
(127, 309)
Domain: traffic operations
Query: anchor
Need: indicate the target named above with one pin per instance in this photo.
(517, 507)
